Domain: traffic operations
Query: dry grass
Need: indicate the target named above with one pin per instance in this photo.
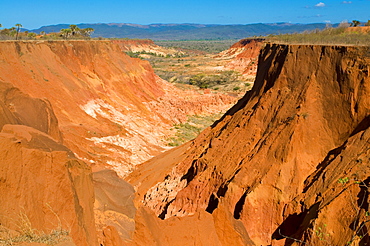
(329, 36)
(27, 234)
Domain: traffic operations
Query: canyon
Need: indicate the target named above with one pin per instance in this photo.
(288, 164)
(74, 108)
(112, 109)
(83, 151)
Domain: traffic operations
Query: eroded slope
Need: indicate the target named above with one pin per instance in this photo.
(285, 162)
(112, 109)
(46, 192)
(243, 56)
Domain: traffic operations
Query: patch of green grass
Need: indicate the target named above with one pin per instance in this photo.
(194, 46)
(191, 129)
(209, 80)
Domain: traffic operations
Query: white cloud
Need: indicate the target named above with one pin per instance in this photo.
(347, 2)
(320, 5)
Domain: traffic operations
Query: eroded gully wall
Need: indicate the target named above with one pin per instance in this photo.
(113, 110)
(269, 169)
(44, 188)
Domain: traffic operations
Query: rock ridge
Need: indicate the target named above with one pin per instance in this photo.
(265, 162)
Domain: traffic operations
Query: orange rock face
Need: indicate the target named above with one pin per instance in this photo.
(113, 111)
(358, 29)
(145, 46)
(109, 110)
(43, 186)
(288, 164)
(243, 56)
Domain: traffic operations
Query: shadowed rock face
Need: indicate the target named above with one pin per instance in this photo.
(19, 108)
(114, 205)
(289, 163)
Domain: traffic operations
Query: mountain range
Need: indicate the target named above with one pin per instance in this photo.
(186, 31)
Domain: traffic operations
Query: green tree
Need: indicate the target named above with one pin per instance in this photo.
(12, 31)
(74, 29)
(87, 31)
(31, 35)
(355, 23)
(18, 29)
(1, 25)
(367, 23)
(43, 33)
(66, 33)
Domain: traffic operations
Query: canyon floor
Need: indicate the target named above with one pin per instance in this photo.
(218, 71)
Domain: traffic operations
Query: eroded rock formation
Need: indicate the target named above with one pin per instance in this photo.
(146, 46)
(243, 56)
(99, 108)
(288, 164)
(112, 109)
(44, 188)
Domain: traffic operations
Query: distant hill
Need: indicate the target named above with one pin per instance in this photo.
(186, 31)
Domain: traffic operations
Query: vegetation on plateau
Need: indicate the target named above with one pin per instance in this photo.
(345, 34)
(198, 46)
(73, 32)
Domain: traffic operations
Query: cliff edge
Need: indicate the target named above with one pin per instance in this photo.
(287, 165)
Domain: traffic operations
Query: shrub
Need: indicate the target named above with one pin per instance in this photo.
(191, 129)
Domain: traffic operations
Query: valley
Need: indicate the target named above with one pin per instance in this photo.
(125, 142)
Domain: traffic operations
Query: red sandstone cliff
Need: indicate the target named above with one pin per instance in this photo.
(146, 46)
(287, 165)
(112, 109)
(44, 188)
(243, 56)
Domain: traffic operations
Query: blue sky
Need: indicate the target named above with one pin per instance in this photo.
(36, 13)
